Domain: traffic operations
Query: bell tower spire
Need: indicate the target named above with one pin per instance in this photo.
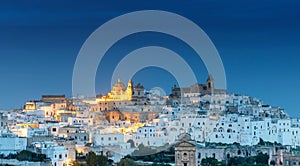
(210, 83)
(129, 89)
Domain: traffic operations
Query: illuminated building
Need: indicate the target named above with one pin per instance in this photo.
(119, 92)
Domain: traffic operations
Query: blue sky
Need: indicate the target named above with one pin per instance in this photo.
(258, 42)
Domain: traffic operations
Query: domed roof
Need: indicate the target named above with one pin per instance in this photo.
(119, 85)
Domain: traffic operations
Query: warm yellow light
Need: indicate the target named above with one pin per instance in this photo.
(32, 125)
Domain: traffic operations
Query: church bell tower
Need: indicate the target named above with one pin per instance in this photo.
(210, 84)
(129, 89)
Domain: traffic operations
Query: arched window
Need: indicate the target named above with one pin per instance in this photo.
(228, 156)
(239, 152)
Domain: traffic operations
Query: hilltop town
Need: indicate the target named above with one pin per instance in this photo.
(192, 125)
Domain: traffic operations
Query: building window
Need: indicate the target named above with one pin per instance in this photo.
(228, 156)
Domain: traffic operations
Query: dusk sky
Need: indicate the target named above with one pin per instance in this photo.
(258, 41)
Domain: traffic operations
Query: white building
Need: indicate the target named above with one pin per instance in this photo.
(148, 136)
(108, 139)
(57, 154)
(12, 144)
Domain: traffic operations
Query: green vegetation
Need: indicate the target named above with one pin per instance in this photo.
(165, 156)
(92, 159)
(273, 162)
(158, 159)
(25, 155)
(261, 160)
(211, 162)
(267, 143)
(221, 144)
(127, 162)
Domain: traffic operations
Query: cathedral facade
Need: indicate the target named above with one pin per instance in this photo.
(201, 89)
(119, 92)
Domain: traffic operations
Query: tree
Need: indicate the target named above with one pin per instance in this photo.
(24, 155)
(211, 162)
(238, 161)
(95, 160)
(91, 159)
(273, 162)
(101, 161)
(160, 164)
(11, 156)
(127, 162)
(262, 158)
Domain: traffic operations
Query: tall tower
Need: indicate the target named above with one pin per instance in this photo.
(210, 84)
(129, 89)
